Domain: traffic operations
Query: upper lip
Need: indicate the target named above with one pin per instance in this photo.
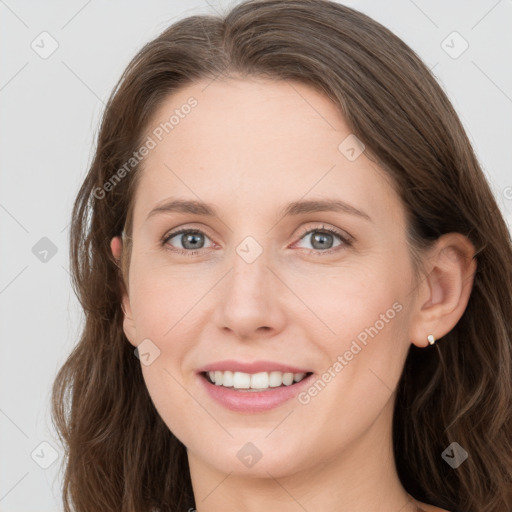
(253, 367)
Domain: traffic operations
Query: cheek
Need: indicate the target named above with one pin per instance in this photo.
(360, 303)
(362, 333)
(174, 404)
(165, 301)
(364, 362)
(369, 347)
(162, 297)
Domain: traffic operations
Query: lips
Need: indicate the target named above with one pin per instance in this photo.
(253, 387)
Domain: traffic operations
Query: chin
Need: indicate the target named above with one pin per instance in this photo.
(259, 458)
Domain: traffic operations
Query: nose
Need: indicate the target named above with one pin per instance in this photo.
(249, 303)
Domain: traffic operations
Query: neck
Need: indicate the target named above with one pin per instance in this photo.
(361, 477)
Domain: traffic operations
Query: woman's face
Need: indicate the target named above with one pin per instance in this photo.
(256, 285)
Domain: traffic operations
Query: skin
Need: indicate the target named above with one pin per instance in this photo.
(249, 147)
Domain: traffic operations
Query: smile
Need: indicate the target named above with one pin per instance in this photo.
(253, 382)
(271, 389)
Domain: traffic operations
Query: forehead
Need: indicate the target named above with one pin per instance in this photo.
(253, 142)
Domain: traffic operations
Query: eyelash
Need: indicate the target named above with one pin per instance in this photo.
(347, 242)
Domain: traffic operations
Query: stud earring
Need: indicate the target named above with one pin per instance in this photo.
(431, 339)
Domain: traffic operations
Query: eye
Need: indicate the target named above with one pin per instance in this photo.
(322, 239)
(191, 240)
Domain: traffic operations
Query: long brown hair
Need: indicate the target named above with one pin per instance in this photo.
(120, 455)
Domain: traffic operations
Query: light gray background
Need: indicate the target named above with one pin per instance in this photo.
(50, 110)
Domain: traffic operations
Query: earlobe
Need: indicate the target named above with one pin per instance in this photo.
(116, 248)
(128, 323)
(445, 290)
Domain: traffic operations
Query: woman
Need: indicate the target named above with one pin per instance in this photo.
(296, 280)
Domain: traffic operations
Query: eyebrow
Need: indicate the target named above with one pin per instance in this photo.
(292, 209)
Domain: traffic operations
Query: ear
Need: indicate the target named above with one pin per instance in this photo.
(116, 247)
(444, 293)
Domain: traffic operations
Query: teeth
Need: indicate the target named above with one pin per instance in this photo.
(262, 380)
(259, 380)
(227, 378)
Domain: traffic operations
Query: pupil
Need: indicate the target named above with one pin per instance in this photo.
(321, 238)
(192, 239)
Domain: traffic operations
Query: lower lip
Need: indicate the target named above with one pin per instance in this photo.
(253, 401)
